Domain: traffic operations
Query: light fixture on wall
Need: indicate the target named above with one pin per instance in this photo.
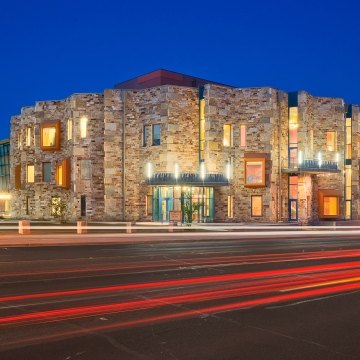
(337, 157)
(176, 171)
(202, 171)
(300, 157)
(149, 170)
(319, 159)
(228, 170)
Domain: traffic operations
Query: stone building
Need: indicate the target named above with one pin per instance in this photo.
(166, 145)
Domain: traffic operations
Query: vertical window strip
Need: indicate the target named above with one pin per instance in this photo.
(242, 135)
(230, 205)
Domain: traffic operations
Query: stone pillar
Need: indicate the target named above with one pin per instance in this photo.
(24, 227)
(82, 227)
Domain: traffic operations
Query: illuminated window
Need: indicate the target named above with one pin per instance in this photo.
(69, 128)
(293, 187)
(156, 134)
(19, 141)
(331, 140)
(230, 206)
(348, 135)
(242, 135)
(148, 205)
(293, 116)
(30, 173)
(85, 169)
(202, 129)
(348, 183)
(18, 177)
(28, 136)
(50, 136)
(83, 127)
(254, 172)
(63, 174)
(46, 166)
(145, 135)
(331, 205)
(227, 140)
(256, 205)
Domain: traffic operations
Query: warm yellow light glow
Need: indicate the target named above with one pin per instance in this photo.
(294, 126)
(337, 157)
(48, 136)
(256, 205)
(83, 127)
(331, 140)
(176, 171)
(293, 115)
(300, 157)
(69, 128)
(242, 135)
(4, 196)
(330, 205)
(202, 170)
(30, 173)
(228, 170)
(149, 170)
(227, 135)
(230, 206)
(60, 175)
(319, 159)
(28, 136)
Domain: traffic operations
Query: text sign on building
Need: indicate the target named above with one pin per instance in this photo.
(175, 215)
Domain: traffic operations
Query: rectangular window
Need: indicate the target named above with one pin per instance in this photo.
(69, 128)
(202, 129)
(46, 171)
(63, 174)
(243, 135)
(85, 169)
(30, 173)
(83, 127)
(331, 140)
(28, 136)
(27, 205)
(331, 205)
(149, 205)
(293, 187)
(348, 135)
(145, 135)
(50, 136)
(256, 205)
(18, 177)
(156, 134)
(230, 206)
(227, 140)
(83, 205)
(254, 172)
(19, 140)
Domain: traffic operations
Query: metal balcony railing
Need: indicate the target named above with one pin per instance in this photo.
(314, 165)
(165, 178)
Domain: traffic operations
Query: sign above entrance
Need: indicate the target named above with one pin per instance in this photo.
(175, 215)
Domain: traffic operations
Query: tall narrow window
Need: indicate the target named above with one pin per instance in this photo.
(256, 205)
(30, 173)
(156, 134)
(331, 140)
(18, 177)
(27, 205)
(348, 135)
(69, 128)
(348, 183)
(85, 169)
(149, 205)
(19, 140)
(243, 135)
(145, 135)
(331, 205)
(28, 136)
(63, 176)
(202, 129)
(230, 206)
(46, 171)
(59, 175)
(83, 205)
(293, 137)
(83, 127)
(227, 140)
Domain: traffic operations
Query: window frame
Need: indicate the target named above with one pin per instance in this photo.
(331, 146)
(27, 173)
(52, 124)
(82, 172)
(324, 194)
(243, 135)
(261, 208)
(63, 179)
(230, 206)
(260, 160)
(43, 171)
(152, 134)
(230, 135)
(84, 127)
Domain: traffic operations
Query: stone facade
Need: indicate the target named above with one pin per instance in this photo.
(120, 149)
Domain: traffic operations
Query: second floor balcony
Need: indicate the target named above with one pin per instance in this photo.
(311, 166)
(166, 178)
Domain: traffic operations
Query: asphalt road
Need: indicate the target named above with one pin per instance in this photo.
(226, 299)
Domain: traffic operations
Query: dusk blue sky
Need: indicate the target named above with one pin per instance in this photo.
(51, 49)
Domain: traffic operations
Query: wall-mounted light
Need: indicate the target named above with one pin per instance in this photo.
(149, 170)
(202, 170)
(319, 159)
(4, 196)
(337, 157)
(228, 170)
(176, 171)
(300, 157)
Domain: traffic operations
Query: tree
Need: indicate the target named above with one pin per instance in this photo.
(188, 208)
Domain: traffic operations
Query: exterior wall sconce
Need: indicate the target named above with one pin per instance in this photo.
(319, 159)
(176, 171)
(149, 170)
(228, 171)
(300, 158)
(202, 170)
